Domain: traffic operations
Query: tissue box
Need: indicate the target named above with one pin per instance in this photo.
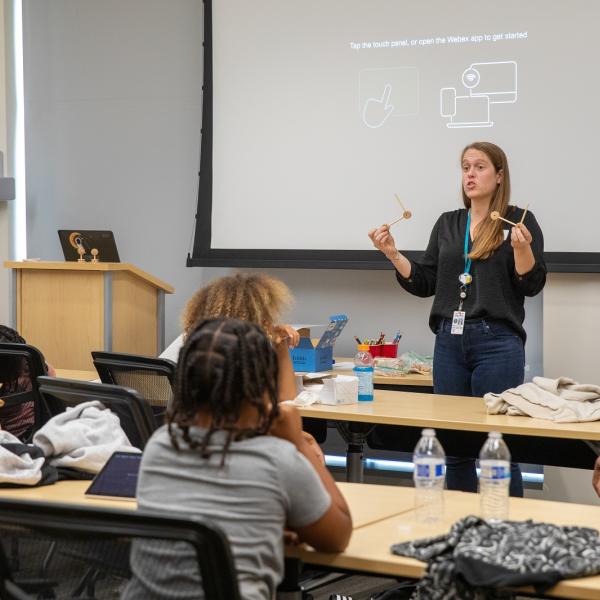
(309, 356)
(342, 389)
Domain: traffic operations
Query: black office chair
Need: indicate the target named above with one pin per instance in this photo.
(108, 539)
(153, 378)
(134, 413)
(20, 365)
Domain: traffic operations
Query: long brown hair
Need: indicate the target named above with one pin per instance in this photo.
(488, 234)
(253, 297)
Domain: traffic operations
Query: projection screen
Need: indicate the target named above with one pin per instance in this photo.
(317, 113)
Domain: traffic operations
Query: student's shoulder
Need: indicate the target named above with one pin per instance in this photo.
(160, 435)
(270, 443)
(280, 452)
(158, 443)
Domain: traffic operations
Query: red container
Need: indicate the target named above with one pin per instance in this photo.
(376, 350)
(388, 350)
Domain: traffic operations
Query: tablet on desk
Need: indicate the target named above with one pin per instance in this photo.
(118, 478)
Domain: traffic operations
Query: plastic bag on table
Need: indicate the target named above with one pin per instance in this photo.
(407, 362)
(417, 363)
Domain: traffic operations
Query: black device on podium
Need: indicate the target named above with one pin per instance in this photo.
(103, 241)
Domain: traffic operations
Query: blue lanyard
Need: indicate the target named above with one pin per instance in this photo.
(467, 260)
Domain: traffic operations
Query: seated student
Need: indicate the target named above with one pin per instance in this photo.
(253, 297)
(14, 379)
(232, 454)
(260, 299)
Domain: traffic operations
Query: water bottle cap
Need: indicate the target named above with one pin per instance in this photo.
(363, 347)
(495, 435)
(428, 432)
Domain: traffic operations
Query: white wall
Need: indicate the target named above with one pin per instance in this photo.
(113, 104)
(4, 206)
(571, 335)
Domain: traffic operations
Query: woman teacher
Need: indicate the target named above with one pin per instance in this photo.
(479, 269)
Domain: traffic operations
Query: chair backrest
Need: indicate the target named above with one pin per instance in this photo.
(75, 552)
(9, 590)
(153, 378)
(134, 413)
(20, 366)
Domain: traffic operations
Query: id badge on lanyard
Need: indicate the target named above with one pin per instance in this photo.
(465, 279)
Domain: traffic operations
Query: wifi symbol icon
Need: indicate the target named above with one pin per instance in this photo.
(470, 78)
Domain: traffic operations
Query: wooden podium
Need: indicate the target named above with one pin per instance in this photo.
(68, 309)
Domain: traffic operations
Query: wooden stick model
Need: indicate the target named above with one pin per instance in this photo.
(406, 214)
(396, 221)
(400, 202)
(524, 213)
(495, 215)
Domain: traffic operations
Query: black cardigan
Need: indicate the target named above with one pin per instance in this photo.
(497, 292)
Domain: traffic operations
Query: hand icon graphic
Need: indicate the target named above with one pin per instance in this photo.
(377, 110)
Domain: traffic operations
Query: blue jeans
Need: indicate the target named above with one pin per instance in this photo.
(488, 357)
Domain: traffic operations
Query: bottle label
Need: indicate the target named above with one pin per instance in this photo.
(429, 470)
(365, 382)
(495, 471)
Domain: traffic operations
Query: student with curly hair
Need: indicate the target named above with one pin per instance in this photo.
(232, 454)
(253, 297)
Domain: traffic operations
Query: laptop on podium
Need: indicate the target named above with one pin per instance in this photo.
(103, 241)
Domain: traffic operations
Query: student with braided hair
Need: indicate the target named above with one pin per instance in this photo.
(232, 454)
(257, 298)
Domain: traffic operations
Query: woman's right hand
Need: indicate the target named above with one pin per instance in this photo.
(382, 240)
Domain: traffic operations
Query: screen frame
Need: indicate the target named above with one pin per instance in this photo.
(203, 255)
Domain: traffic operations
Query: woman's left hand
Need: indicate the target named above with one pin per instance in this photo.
(520, 237)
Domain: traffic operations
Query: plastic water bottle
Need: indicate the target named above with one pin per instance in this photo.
(429, 474)
(363, 369)
(494, 478)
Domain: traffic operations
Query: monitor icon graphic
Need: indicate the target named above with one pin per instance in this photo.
(487, 83)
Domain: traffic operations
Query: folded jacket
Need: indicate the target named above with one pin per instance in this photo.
(23, 464)
(562, 400)
(83, 437)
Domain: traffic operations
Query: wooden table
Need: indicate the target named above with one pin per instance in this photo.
(391, 500)
(64, 492)
(369, 548)
(355, 433)
(461, 413)
(382, 516)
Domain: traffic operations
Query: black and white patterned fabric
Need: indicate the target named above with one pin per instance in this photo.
(477, 558)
